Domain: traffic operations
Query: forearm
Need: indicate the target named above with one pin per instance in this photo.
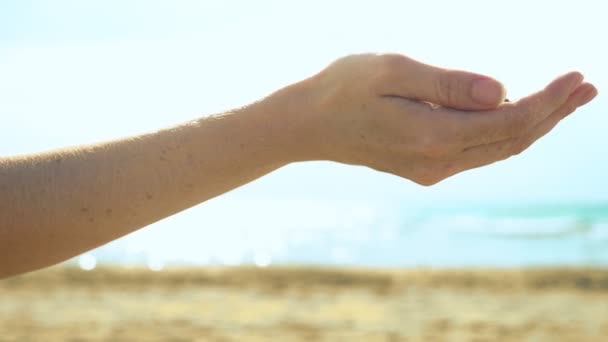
(58, 204)
(387, 112)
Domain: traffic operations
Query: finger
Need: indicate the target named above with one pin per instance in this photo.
(405, 77)
(583, 94)
(511, 119)
(486, 154)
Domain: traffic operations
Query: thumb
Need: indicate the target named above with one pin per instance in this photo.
(449, 88)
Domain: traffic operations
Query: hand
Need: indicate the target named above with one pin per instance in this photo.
(397, 115)
(387, 112)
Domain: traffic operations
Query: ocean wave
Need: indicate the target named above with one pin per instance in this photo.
(514, 227)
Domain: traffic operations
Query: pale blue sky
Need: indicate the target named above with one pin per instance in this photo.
(80, 71)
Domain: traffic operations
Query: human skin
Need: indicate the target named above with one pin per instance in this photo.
(387, 112)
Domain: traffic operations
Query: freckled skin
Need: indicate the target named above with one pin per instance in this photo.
(386, 112)
(101, 192)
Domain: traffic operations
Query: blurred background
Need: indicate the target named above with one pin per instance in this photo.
(74, 72)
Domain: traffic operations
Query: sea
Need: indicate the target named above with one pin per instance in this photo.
(345, 233)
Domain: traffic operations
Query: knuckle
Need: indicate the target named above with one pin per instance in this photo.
(447, 88)
(443, 89)
(390, 61)
(387, 65)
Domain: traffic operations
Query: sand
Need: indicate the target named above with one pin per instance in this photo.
(305, 304)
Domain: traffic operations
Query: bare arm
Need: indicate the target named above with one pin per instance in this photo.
(57, 204)
(364, 110)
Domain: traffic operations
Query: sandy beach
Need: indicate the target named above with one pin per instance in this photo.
(305, 304)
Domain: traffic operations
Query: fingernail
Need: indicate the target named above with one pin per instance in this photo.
(487, 91)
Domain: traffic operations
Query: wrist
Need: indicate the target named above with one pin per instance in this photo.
(290, 122)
